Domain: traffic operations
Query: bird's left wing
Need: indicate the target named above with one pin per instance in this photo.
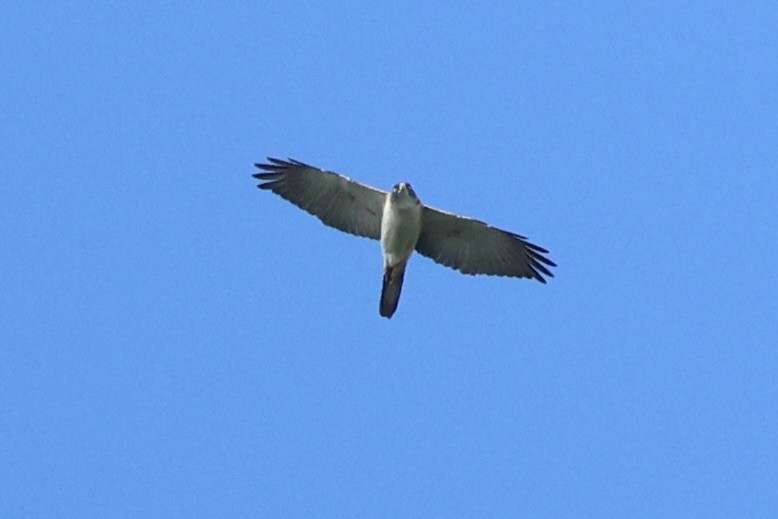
(336, 200)
(473, 247)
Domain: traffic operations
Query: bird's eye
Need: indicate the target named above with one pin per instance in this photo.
(396, 187)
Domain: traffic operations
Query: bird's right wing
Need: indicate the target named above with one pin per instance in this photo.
(474, 247)
(336, 200)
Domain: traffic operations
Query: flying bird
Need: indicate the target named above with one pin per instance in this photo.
(403, 225)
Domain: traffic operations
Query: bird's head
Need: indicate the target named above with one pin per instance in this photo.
(403, 191)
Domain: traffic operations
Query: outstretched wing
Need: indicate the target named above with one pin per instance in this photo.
(473, 247)
(334, 199)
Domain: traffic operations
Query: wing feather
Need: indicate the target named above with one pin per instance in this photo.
(474, 247)
(336, 200)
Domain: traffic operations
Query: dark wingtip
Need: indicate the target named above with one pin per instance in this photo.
(274, 164)
(540, 268)
(534, 247)
(271, 175)
(272, 170)
(268, 166)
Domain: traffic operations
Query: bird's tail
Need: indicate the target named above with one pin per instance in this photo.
(393, 284)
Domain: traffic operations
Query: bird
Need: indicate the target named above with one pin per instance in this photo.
(403, 224)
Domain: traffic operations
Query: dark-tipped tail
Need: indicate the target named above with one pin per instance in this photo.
(393, 285)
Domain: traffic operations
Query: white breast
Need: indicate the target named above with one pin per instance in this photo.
(400, 228)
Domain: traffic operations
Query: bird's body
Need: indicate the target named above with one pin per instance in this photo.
(400, 225)
(400, 230)
(403, 225)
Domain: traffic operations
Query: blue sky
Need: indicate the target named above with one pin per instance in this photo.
(177, 343)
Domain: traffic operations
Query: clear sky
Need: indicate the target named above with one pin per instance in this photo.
(176, 343)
